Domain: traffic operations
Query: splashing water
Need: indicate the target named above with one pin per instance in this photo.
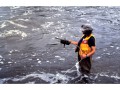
(13, 33)
(77, 67)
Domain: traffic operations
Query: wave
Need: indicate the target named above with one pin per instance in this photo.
(13, 33)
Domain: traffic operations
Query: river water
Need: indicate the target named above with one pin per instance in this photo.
(29, 52)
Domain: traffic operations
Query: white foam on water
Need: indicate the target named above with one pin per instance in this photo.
(105, 49)
(19, 25)
(111, 46)
(0, 69)
(113, 52)
(14, 7)
(3, 25)
(47, 25)
(57, 56)
(34, 55)
(96, 76)
(57, 15)
(43, 76)
(62, 77)
(11, 51)
(36, 29)
(8, 33)
(48, 77)
(115, 77)
(39, 62)
(106, 75)
(77, 67)
(68, 71)
(47, 61)
(38, 59)
(23, 19)
(117, 47)
(108, 53)
(30, 59)
(9, 62)
(54, 33)
(98, 57)
(60, 58)
(28, 12)
(60, 9)
(4, 80)
(1, 62)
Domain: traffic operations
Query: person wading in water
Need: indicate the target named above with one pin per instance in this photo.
(85, 48)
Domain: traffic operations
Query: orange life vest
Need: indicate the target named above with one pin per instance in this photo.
(84, 47)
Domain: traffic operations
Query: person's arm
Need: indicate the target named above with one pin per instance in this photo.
(73, 42)
(92, 51)
(92, 45)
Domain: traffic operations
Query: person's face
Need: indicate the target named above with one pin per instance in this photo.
(84, 31)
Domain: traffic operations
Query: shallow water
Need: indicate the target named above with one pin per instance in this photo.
(29, 52)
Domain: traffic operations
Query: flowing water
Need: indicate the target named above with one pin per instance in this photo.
(29, 52)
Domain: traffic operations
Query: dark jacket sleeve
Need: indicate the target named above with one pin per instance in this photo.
(78, 46)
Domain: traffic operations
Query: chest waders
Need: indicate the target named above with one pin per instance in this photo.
(85, 64)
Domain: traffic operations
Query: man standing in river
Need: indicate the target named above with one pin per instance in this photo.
(85, 48)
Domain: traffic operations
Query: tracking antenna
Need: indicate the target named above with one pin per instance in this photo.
(63, 41)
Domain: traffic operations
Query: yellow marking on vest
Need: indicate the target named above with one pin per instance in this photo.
(84, 47)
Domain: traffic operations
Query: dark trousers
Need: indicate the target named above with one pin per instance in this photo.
(85, 65)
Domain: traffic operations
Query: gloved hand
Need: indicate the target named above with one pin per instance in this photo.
(65, 42)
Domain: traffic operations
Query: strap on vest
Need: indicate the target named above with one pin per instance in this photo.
(77, 47)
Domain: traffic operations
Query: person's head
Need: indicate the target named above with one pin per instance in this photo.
(87, 29)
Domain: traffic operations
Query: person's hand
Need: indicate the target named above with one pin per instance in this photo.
(65, 42)
(70, 41)
(83, 56)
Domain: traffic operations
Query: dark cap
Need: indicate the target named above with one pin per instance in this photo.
(86, 27)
